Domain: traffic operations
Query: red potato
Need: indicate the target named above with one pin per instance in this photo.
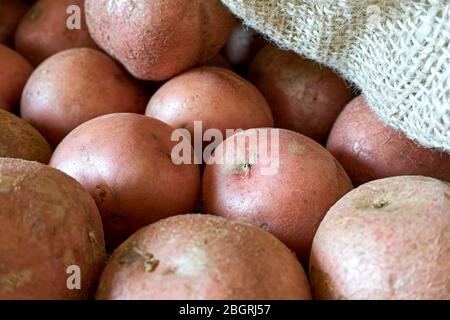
(124, 161)
(11, 12)
(15, 71)
(49, 28)
(370, 150)
(286, 189)
(197, 257)
(19, 139)
(156, 40)
(243, 45)
(75, 86)
(50, 231)
(388, 239)
(304, 96)
(218, 97)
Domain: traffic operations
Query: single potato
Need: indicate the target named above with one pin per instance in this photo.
(50, 27)
(198, 257)
(156, 40)
(50, 230)
(388, 239)
(217, 97)
(15, 71)
(370, 150)
(124, 161)
(11, 12)
(276, 179)
(242, 46)
(304, 96)
(18, 139)
(75, 86)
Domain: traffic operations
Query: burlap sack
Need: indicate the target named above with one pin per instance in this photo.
(396, 51)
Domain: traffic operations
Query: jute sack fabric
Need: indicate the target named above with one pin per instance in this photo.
(396, 51)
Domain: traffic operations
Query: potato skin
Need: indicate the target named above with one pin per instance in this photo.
(289, 203)
(11, 12)
(75, 86)
(18, 139)
(218, 97)
(124, 161)
(156, 40)
(370, 150)
(388, 239)
(304, 96)
(43, 31)
(197, 257)
(15, 71)
(243, 45)
(48, 223)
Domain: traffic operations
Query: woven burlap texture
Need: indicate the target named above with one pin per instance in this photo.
(396, 51)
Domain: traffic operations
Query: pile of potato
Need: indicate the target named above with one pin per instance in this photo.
(87, 118)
